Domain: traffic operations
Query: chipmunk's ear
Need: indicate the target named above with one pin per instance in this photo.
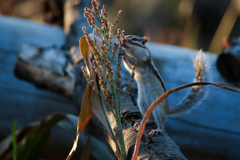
(145, 40)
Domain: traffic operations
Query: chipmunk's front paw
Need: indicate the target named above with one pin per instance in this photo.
(156, 132)
(137, 125)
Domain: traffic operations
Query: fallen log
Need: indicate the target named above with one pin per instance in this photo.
(46, 68)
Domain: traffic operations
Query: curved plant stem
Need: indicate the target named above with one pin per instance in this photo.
(155, 104)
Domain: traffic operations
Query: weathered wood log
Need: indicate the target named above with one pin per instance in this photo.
(46, 68)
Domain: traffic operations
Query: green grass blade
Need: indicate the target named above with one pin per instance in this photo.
(14, 140)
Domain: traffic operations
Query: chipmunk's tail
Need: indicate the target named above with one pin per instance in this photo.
(197, 92)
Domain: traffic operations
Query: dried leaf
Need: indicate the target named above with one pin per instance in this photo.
(91, 102)
(85, 51)
(99, 111)
(154, 105)
(86, 112)
(84, 117)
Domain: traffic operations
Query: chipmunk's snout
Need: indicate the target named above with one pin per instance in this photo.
(125, 45)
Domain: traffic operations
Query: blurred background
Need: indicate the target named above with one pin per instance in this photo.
(195, 24)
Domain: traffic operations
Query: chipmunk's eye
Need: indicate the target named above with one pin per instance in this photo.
(134, 39)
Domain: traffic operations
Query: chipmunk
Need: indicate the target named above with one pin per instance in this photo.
(151, 85)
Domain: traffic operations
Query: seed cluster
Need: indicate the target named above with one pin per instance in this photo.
(117, 18)
(104, 53)
(103, 78)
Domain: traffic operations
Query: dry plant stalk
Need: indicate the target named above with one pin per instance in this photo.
(99, 72)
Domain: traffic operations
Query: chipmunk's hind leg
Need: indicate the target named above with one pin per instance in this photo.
(143, 110)
(159, 119)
